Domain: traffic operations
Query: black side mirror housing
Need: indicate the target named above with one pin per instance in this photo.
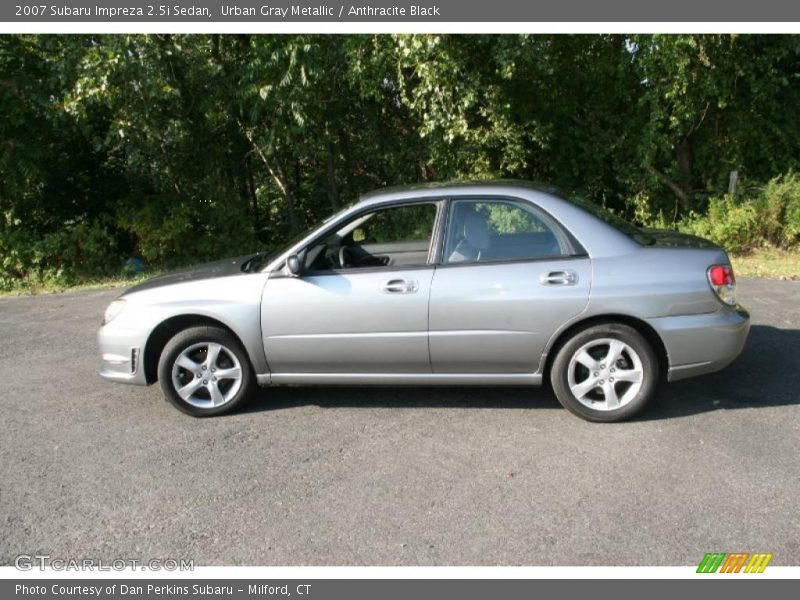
(294, 264)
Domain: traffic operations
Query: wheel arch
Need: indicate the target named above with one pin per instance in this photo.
(641, 326)
(166, 330)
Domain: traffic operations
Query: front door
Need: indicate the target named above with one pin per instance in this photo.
(361, 305)
(510, 277)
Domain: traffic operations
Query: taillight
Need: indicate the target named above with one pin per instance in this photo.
(723, 283)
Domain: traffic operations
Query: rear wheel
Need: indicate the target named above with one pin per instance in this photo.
(204, 371)
(605, 373)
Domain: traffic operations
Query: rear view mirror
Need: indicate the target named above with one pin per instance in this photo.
(294, 265)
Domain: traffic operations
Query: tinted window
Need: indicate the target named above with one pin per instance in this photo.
(402, 224)
(483, 231)
(389, 237)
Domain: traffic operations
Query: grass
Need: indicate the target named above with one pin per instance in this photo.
(770, 263)
(55, 287)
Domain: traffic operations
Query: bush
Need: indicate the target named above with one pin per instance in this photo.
(770, 218)
(76, 251)
(730, 222)
(163, 231)
(169, 231)
(780, 210)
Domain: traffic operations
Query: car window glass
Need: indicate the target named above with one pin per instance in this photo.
(402, 224)
(396, 236)
(493, 230)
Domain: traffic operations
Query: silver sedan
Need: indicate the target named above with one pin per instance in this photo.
(465, 284)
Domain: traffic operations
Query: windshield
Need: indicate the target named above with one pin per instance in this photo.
(261, 259)
(615, 221)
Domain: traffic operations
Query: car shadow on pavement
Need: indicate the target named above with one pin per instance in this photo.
(401, 397)
(766, 374)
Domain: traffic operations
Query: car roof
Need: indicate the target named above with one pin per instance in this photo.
(467, 186)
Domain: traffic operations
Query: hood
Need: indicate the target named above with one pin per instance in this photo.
(211, 270)
(667, 238)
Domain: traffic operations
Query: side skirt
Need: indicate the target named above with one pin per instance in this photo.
(379, 379)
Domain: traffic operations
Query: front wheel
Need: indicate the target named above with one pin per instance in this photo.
(605, 373)
(204, 371)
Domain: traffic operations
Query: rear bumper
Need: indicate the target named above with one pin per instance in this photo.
(700, 344)
(122, 356)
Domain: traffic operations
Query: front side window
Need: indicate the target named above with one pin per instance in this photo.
(498, 230)
(397, 236)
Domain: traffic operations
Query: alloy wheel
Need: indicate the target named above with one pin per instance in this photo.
(605, 374)
(206, 375)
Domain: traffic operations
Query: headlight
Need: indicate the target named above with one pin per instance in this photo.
(113, 310)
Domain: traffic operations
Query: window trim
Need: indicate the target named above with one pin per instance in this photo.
(441, 226)
(576, 249)
(437, 202)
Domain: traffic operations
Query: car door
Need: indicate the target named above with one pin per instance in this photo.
(361, 306)
(510, 277)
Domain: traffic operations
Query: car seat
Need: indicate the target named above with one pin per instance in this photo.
(473, 238)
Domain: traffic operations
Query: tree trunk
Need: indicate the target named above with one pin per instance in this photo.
(279, 177)
(333, 190)
(675, 187)
(685, 158)
(251, 190)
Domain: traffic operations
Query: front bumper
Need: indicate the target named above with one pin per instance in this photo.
(700, 344)
(122, 356)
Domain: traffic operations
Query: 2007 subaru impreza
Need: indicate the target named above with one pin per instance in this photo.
(463, 284)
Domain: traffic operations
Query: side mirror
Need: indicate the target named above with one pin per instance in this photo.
(294, 265)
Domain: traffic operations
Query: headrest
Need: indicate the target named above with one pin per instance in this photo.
(476, 231)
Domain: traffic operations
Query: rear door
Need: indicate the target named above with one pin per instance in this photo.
(510, 277)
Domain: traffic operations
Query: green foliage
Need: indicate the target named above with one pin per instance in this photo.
(771, 218)
(178, 148)
(168, 231)
(730, 222)
(399, 225)
(75, 251)
(780, 211)
(506, 218)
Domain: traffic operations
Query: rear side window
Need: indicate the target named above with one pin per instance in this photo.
(498, 230)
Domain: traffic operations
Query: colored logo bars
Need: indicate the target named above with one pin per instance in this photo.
(736, 562)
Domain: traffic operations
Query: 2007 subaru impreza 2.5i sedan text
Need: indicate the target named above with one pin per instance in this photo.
(462, 284)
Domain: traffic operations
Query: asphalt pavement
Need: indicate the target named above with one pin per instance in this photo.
(375, 476)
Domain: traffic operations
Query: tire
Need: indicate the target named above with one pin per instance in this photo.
(201, 385)
(588, 385)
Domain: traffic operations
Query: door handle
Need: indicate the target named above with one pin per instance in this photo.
(400, 286)
(559, 278)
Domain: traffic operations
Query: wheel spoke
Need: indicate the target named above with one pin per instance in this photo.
(190, 388)
(586, 360)
(216, 394)
(212, 356)
(615, 349)
(610, 392)
(584, 387)
(207, 374)
(187, 363)
(630, 375)
(234, 373)
(620, 362)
